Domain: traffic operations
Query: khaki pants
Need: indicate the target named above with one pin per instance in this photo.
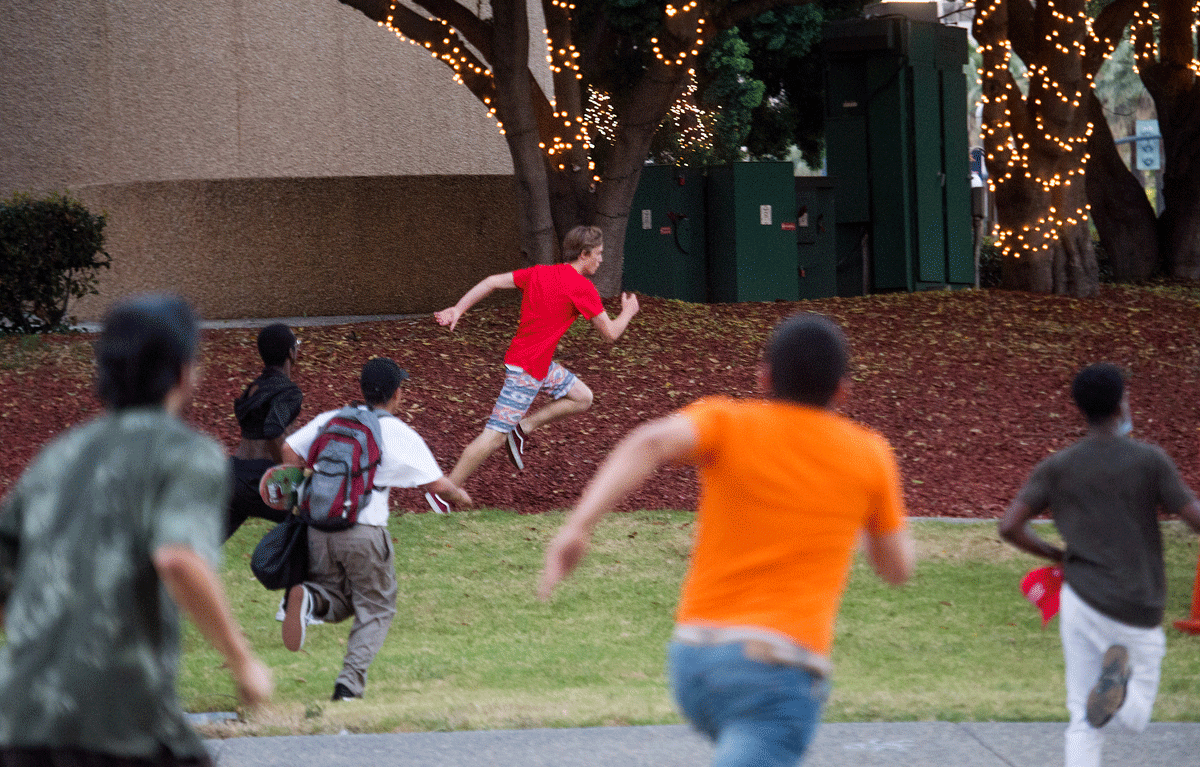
(353, 572)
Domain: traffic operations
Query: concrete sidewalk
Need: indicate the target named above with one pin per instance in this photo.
(887, 744)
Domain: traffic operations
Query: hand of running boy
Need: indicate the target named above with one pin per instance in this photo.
(448, 317)
(563, 555)
(254, 683)
(629, 303)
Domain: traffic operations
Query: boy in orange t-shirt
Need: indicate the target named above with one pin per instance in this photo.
(552, 296)
(787, 488)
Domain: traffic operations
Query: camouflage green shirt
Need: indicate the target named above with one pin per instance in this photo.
(92, 635)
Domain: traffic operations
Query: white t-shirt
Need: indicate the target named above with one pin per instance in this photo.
(405, 461)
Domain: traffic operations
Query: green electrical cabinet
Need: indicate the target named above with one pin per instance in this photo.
(752, 232)
(817, 257)
(896, 140)
(664, 239)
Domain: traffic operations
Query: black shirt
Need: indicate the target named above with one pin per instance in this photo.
(268, 405)
(1104, 493)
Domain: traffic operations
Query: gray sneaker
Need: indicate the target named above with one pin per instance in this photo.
(1109, 693)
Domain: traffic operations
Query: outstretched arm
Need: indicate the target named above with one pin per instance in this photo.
(1015, 529)
(635, 458)
(195, 588)
(610, 330)
(482, 289)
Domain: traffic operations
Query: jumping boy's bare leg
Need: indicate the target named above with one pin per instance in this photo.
(475, 454)
(577, 400)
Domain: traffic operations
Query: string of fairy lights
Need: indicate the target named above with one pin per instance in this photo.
(1008, 146)
(449, 49)
(598, 118)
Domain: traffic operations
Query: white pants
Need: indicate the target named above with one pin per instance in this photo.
(1086, 634)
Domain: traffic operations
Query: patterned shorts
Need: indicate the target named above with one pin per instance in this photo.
(519, 390)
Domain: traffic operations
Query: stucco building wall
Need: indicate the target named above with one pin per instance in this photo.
(232, 143)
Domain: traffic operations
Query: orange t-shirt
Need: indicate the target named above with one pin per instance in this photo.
(785, 490)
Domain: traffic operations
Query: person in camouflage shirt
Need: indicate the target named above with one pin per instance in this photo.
(112, 528)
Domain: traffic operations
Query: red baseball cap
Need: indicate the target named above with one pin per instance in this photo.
(1041, 587)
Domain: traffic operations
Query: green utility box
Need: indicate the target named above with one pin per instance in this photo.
(815, 228)
(664, 239)
(896, 141)
(752, 232)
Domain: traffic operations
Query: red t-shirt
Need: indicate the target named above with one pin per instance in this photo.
(553, 295)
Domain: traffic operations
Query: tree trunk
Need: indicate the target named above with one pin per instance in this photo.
(1035, 144)
(1122, 214)
(554, 178)
(1176, 96)
(1165, 67)
(652, 98)
(514, 106)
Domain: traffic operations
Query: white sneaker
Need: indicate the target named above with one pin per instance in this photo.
(310, 619)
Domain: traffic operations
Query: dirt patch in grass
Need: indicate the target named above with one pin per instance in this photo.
(970, 387)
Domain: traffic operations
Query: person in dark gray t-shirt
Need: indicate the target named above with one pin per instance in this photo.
(1104, 494)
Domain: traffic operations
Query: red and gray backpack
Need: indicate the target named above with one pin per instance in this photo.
(341, 468)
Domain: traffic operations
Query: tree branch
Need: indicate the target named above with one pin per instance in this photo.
(476, 31)
(440, 41)
(1108, 26)
(1022, 30)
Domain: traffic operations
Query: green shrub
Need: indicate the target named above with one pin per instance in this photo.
(50, 251)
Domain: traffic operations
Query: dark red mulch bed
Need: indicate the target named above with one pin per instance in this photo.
(970, 387)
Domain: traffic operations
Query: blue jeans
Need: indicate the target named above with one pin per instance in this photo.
(756, 713)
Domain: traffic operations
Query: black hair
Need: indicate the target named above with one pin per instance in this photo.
(807, 356)
(380, 379)
(1097, 390)
(275, 343)
(145, 343)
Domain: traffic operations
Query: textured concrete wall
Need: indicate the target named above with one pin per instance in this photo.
(111, 91)
(239, 147)
(315, 247)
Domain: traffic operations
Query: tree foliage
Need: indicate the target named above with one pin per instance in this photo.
(759, 93)
(616, 69)
(50, 251)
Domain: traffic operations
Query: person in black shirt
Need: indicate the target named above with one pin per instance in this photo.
(266, 412)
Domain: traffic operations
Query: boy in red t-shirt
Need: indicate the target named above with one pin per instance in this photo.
(553, 296)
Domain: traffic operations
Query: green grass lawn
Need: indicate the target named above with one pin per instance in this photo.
(472, 649)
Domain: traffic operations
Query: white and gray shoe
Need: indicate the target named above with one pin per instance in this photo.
(280, 614)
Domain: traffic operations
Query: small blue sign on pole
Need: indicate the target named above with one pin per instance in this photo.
(1147, 146)
(978, 167)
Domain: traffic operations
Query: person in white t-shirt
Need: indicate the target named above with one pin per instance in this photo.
(352, 572)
